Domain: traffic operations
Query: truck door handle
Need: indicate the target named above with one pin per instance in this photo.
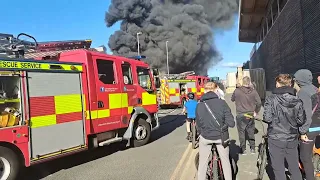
(100, 104)
(139, 101)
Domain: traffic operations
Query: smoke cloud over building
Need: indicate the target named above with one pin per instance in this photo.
(188, 25)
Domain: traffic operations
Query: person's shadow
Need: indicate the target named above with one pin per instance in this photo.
(234, 157)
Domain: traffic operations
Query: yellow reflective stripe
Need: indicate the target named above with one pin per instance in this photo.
(193, 90)
(130, 109)
(37, 65)
(172, 90)
(177, 94)
(103, 113)
(68, 103)
(148, 99)
(202, 90)
(118, 100)
(41, 121)
(124, 100)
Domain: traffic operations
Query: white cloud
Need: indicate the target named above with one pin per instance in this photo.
(231, 64)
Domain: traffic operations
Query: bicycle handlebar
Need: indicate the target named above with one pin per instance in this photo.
(257, 119)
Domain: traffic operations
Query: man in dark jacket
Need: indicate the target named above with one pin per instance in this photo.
(247, 100)
(213, 118)
(303, 78)
(284, 113)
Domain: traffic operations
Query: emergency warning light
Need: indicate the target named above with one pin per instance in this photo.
(137, 57)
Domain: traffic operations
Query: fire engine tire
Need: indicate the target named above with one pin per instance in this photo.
(9, 164)
(141, 133)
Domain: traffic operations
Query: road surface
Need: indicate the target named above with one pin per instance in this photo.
(156, 160)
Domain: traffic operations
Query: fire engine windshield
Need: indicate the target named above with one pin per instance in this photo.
(144, 78)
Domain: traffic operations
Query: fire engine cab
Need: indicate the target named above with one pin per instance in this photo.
(83, 99)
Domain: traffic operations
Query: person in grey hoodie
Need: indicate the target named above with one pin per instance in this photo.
(303, 78)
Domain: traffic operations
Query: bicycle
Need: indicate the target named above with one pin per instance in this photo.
(214, 170)
(195, 135)
(263, 151)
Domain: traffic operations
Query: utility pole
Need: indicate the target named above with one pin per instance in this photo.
(167, 56)
(139, 33)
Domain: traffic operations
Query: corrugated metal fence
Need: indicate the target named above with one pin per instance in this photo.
(292, 43)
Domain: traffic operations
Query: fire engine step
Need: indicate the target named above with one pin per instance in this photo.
(109, 141)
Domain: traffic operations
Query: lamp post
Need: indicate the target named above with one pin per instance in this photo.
(167, 56)
(139, 33)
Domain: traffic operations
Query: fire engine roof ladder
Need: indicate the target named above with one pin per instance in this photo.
(178, 76)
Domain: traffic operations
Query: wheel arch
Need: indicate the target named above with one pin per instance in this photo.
(138, 112)
(16, 150)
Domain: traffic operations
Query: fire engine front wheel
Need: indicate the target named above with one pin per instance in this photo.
(141, 133)
(9, 164)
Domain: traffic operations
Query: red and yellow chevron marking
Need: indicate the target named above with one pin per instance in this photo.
(174, 92)
(115, 107)
(164, 89)
(51, 110)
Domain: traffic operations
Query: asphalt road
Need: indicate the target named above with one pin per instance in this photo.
(156, 160)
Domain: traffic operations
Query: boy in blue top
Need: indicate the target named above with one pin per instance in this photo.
(190, 109)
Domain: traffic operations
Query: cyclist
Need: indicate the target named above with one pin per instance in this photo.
(213, 119)
(190, 109)
(284, 113)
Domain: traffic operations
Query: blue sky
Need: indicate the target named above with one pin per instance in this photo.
(80, 19)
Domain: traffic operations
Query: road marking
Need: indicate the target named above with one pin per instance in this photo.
(189, 169)
(183, 158)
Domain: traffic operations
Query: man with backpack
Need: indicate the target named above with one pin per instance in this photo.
(307, 93)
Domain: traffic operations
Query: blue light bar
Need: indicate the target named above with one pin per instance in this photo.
(137, 57)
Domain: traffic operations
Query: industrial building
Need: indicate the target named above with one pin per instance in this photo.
(286, 34)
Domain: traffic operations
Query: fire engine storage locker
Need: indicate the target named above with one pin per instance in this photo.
(10, 101)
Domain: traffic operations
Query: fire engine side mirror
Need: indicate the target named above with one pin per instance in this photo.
(155, 72)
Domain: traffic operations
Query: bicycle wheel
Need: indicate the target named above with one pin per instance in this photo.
(214, 168)
(262, 161)
(194, 136)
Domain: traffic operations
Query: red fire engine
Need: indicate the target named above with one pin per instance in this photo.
(200, 82)
(175, 87)
(84, 99)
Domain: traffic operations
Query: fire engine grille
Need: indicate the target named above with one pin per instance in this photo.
(292, 43)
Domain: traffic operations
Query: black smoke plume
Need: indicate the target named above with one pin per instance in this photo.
(188, 25)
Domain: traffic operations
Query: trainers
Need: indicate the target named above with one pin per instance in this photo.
(244, 152)
(253, 151)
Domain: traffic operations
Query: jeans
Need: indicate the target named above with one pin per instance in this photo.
(306, 152)
(284, 150)
(245, 125)
(205, 146)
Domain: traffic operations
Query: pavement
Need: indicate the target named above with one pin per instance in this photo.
(167, 157)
